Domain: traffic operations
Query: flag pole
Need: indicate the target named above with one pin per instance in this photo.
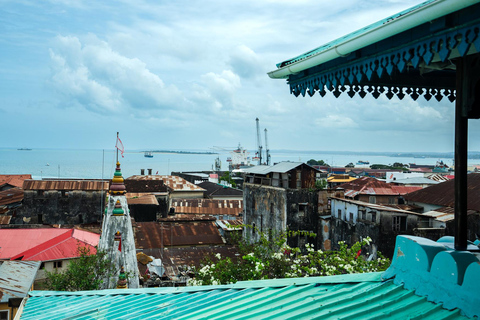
(117, 148)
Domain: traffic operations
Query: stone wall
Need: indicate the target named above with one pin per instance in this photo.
(61, 207)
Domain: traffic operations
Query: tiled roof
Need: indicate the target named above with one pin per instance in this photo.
(86, 185)
(208, 206)
(15, 180)
(442, 194)
(173, 182)
(44, 244)
(359, 296)
(154, 235)
(372, 186)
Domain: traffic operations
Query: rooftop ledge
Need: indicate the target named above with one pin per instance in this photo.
(432, 269)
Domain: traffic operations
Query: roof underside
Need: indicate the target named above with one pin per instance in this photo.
(321, 297)
(414, 62)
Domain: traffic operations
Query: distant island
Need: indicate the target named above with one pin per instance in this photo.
(180, 152)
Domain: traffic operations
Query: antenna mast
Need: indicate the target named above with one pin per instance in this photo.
(259, 143)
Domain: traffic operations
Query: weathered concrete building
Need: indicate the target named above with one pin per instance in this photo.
(354, 220)
(272, 210)
(65, 202)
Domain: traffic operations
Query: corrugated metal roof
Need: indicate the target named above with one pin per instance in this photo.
(261, 169)
(10, 196)
(372, 186)
(15, 180)
(173, 182)
(360, 296)
(44, 244)
(416, 180)
(152, 235)
(443, 194)
(141, 198)
(16, 278)
(5, 220)
(208, 206)
(87, 185)
(218, 190)
(376, 206)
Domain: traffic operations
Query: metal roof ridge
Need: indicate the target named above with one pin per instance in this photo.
(46, 245)
(284, 282)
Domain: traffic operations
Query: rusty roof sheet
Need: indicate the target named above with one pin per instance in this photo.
(10, 196)
(15, 180)
(141, 198)
(154, 235)
(85, 185)
(372, 186)
(208, 206)
(176, 259)
(4, 220)
(442, 194)
(173, 182)
(16, 278)
(230, 225)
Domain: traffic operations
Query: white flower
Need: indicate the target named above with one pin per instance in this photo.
(218, 256)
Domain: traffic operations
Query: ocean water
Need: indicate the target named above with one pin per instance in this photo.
(98, 164)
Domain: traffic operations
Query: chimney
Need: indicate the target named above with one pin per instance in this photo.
(149, 171)
(142, 172)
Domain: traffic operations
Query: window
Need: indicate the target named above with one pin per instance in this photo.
(351, 216)
(57, 264)
(339, 213)
(299, 179)
(391, 200)
(271, 207)
(40, 193)
(399, 223)
(372, 199)
(253, 228)
(363, 214)
(302, 208)
(374, 216)
(40, 218)
(4, 315)
(42, 266)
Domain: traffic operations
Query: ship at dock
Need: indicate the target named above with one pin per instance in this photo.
(239, 158)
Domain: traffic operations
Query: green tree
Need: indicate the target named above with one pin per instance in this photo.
(271, 258)
(313, 162)
(228, 178)
(83, 273)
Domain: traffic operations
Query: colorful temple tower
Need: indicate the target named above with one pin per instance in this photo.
(117, 238)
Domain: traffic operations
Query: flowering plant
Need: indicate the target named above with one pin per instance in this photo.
(272, 259)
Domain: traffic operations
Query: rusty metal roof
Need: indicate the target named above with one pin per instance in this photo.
(230, 225)
(154, 235)
(4, 220)
(15, 180)
(208, 206)
(442, 194)
(10, 196)
(16, 278)
(86, 185)
(372, 186)
(141, 198)
(173, 182)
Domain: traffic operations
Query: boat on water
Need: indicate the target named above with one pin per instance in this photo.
(239, 158)
(24, 149)
(148, 154)
(360, 162)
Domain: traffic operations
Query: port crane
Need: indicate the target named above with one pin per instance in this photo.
(259, 143)
(267, 151)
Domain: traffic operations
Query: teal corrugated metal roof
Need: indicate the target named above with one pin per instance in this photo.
(360, 296)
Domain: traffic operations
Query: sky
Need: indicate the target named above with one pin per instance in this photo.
(179, 75)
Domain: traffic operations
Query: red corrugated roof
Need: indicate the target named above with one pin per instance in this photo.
(44, 244)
